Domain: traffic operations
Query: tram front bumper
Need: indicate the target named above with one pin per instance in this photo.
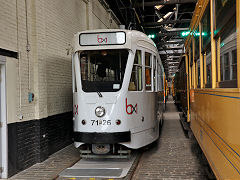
(102, 138)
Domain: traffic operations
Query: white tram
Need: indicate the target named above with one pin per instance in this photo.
(118, 90)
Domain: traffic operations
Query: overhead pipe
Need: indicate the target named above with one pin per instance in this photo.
(155, 3)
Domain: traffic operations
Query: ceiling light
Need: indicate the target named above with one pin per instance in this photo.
(160, 20)
(158, 7)
(167, 15)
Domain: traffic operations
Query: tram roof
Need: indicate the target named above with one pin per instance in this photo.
(132, 37)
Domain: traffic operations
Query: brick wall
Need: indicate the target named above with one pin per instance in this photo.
(47, 28)
(41, 31)
(33, 141)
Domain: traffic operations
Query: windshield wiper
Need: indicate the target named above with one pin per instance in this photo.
(99, 94)
(96, 89)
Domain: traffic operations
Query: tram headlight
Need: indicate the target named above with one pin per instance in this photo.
(100, 111)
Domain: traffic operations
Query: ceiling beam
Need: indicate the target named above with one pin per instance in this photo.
(172, 53)
(152, 15)
(168, 34)
(164, 43)
(178, 21)
(175, 48)
(155, 3)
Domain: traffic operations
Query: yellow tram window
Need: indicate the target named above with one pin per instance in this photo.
(206, 46)
(234, 64)
(209, 68)
(226, 67)
(206, 35)
(135, 83)
(221, 67)
(198, 74)
(225, 30)
(197, 56)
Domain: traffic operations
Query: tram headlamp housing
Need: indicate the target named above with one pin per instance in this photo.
(100, 111)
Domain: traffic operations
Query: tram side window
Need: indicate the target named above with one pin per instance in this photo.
(198, 73)
(148, 72)
(160, 78)
(209, 69)
(206, 35)
(221, 67)
(74, 81)
(206, 47)
(154, 73)
(234, 64)
(225, 32)
(226, 67)
(135, 83)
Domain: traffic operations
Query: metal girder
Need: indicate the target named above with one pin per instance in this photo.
(155, 3)
(171, 61)
(171, 52)
(152, 15)
(176, 29)
(173, 48)
(164, 43)
(168, 34)
(179, 21)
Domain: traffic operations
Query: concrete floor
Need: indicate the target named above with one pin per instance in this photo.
(173, 155)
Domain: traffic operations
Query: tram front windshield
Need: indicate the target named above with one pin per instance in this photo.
(103, 70)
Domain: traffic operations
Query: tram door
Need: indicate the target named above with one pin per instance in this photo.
(3, 122)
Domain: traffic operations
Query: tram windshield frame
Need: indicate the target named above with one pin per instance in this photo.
(103, 70)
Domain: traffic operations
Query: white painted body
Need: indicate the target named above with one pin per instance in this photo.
(149, 104)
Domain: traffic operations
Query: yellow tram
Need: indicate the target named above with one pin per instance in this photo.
(212, 65)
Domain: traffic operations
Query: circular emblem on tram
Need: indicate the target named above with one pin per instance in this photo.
(99, 111)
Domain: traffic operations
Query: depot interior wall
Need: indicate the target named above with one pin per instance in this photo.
(46, 29)
(60, 27)
(8, 32)
(101, 19)
(13, 37)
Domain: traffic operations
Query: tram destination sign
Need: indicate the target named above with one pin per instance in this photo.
(103, 38)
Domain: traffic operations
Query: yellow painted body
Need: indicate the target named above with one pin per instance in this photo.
(215, 122)
(214, 113)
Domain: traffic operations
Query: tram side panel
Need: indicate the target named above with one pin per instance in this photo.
(214, 103)
(214, 122)
(215, 119)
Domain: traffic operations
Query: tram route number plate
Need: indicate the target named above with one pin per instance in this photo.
(101, 122)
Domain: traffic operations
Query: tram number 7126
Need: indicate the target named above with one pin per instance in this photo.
(101, 122)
